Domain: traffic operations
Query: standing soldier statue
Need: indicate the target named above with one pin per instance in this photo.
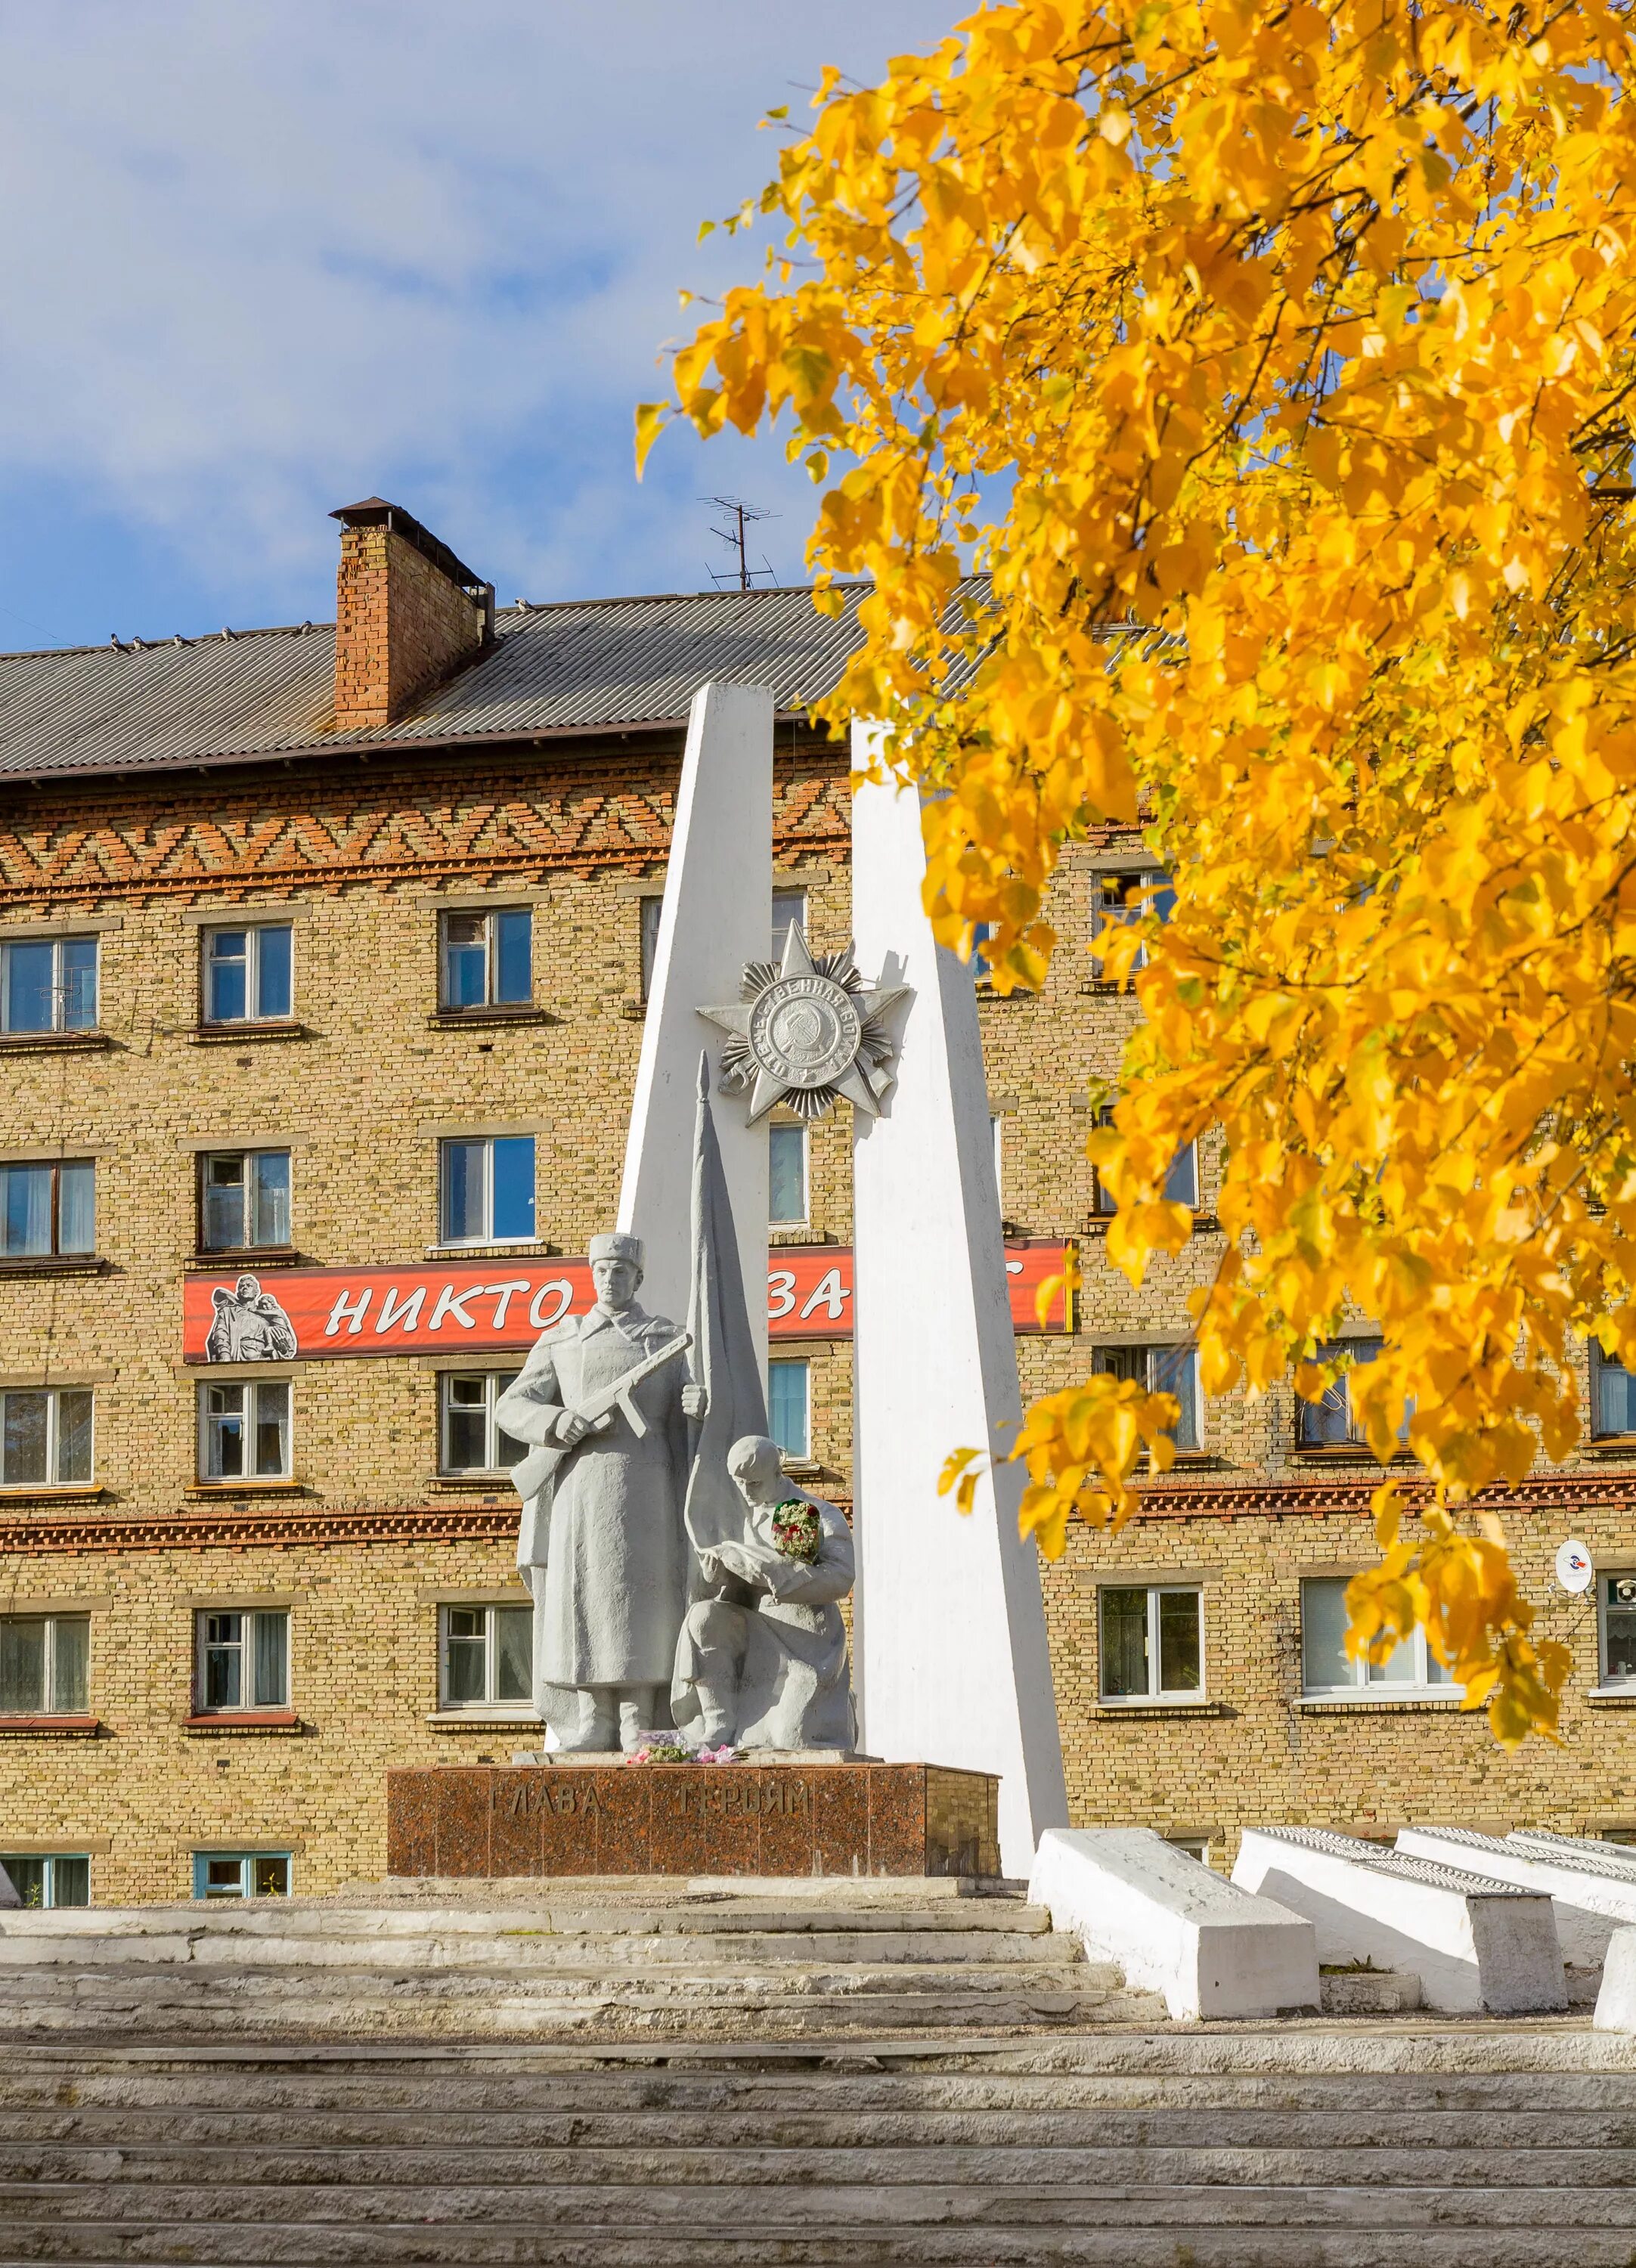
(605, 1402)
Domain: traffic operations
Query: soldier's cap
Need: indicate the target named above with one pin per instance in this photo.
(616, 1246)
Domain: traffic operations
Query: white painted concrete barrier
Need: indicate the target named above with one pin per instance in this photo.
(1592, 1895)
(1476, 1944)
(1615, 2003)
(1173, 1926)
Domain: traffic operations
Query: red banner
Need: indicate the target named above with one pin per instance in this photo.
(318, 1313)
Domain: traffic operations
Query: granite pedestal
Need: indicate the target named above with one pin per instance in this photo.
(555, 1820)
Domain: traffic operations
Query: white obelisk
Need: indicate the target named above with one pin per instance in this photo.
(717, 914)
(950, 1659)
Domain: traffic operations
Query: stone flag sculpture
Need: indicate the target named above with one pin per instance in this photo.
(723, 1355)
(762, 1660)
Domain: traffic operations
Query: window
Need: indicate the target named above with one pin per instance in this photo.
(45, 1437)
(1191, 1846)
(789, 911)
(787, 1177)
(789, 1407)
(488, 1191)
(1161, 1370)
(243, 1659)
(49, 985)
(47, 1210)
(1612, 1396)
(1152, 1645)
(44, 1665)
(1327, 1669)
(1180, 1183)
(472, 1443)
(248, 974)
(50, 1879)
(1128, 899)
(244, 1430)
(242, 1873)
(488, 959)
(1616, 1597)
(652, 910)
(486, 1656)
(1331, 1422)
(997, 1135)
(244, 1200)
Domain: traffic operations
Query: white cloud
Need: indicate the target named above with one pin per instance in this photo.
(269, 256)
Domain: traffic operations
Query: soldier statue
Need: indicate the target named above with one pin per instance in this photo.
(604, 1399)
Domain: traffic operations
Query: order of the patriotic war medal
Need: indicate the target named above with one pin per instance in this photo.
(806, 1032)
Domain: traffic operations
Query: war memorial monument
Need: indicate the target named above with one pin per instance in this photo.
(687, 1597)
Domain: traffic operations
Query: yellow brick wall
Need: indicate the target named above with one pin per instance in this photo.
(354, 1097)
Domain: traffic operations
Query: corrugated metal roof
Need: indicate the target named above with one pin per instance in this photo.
(579, 664)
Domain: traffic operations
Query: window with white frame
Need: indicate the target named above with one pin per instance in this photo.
(48, 984)
(1152, 1642)
(786, 1174)
(471, 1438)
(44, 1665)
(244, 1200)
(45, 1437)
(242, 1873)
(1616, 1599)
(243, 1659)
(1161, 1369)
(789, 1406)
(1128, 899)
(996, 1136)
(485, 1656)
(248, 974)
(1332, 1422)
(789, 911)
(487, 959)
(48, 1210)
(244, 1430)
(487, 1195)
(1328, 1672)
(1612, 1396)
(49, 1878)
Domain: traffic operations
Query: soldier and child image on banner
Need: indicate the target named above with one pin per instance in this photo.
(680, 1578)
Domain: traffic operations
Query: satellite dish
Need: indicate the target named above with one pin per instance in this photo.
(1574, 1569)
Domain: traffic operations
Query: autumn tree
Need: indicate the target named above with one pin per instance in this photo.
(1238, 394)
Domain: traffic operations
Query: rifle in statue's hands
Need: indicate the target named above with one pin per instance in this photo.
(597, 1413)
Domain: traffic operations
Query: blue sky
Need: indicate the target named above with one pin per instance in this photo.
(266, 256)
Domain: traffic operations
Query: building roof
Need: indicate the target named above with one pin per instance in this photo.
(237, 696)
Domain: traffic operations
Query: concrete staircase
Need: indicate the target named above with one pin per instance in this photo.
(1270, 2147)
(605, 1961)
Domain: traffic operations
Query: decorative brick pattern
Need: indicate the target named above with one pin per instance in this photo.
(475, 820)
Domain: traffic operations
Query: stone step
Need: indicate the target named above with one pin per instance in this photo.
(189, 2003)
(1158, 2242)
(723, 1981)
(373, 2181)
(700, 1916)
(523, 1947)
(861, 2205)
(153, 2130)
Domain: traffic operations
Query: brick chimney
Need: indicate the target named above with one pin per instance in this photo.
(408, 613)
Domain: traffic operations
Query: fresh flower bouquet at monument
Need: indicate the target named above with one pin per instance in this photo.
(796, 1531)
(669, 1748)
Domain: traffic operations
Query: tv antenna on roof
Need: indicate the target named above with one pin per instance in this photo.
(741, 517)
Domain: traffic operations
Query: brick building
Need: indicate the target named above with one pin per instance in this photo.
(322, 949)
